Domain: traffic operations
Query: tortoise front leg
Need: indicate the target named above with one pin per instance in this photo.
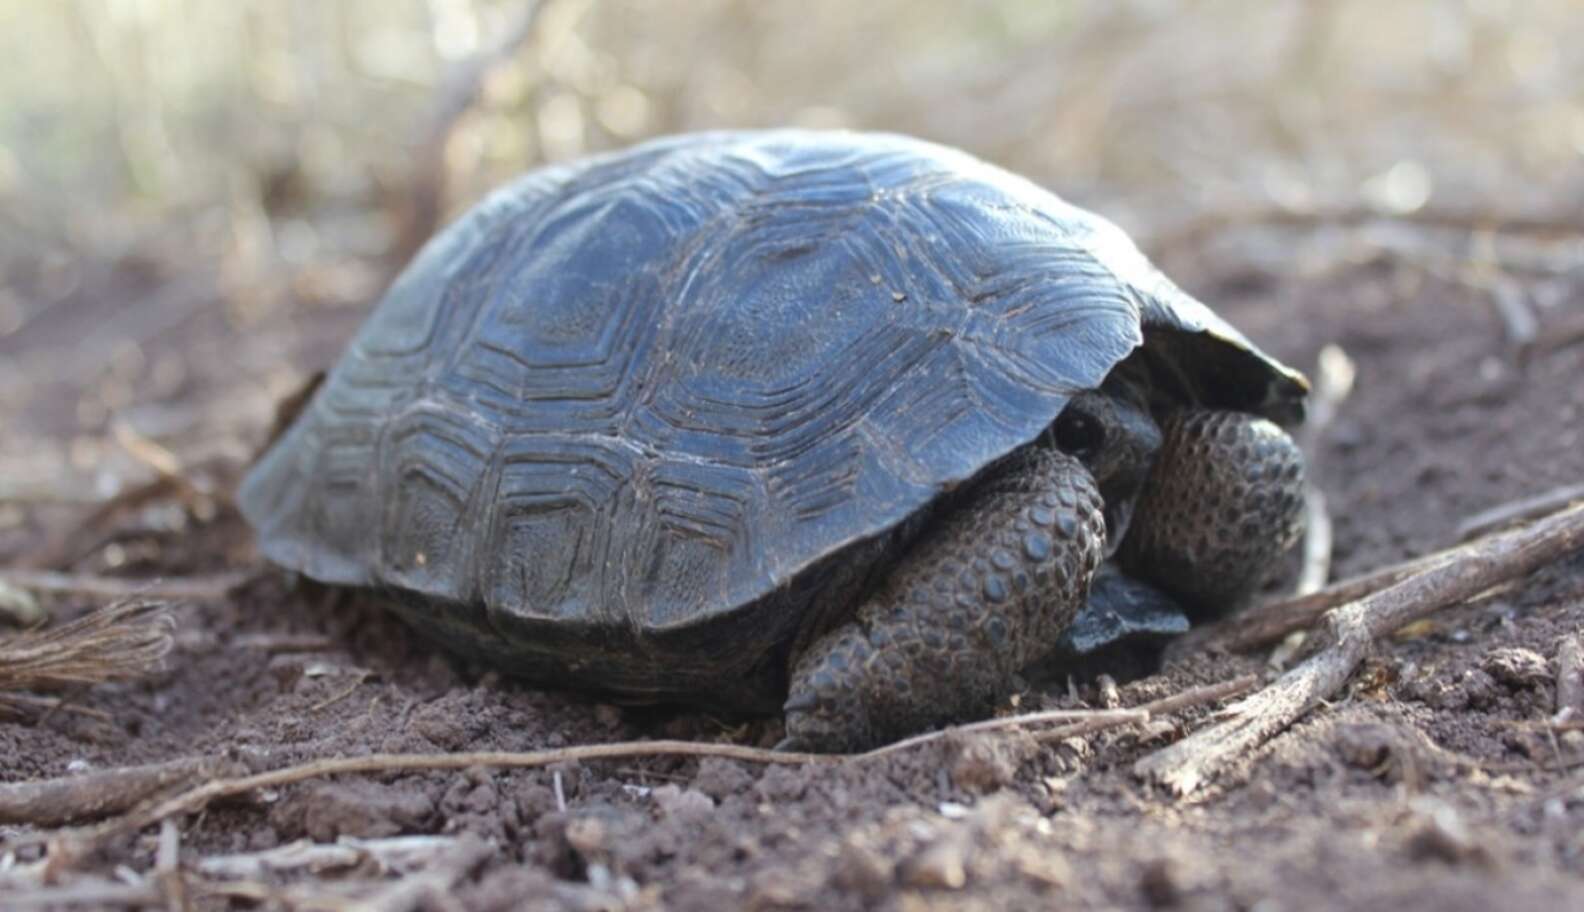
(987, 589)
(1222, 503)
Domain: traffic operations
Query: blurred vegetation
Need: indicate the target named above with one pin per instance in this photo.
(284, 155)
(200, 198)
(164, 107)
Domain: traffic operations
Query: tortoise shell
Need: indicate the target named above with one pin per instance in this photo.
(627, 417)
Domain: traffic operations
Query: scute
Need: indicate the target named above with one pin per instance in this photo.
(626, 403)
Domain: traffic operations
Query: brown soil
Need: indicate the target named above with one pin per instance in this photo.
(1429, 784)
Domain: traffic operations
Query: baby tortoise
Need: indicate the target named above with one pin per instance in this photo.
(837, 424)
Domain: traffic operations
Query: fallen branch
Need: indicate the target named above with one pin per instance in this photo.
(1334, 376)
(1521, 510)
(200, 797)
(1519, 323)
(424, 200)
(284, 642)
(428, 888)
(121, 642)
(1269, 622)
(1318, 540)
(1197, 696)
(92, 796)
(396, 853)
(1098, 718)
(189, 588)
(1353, 629)
(48, 705)
(1570, 679)
(168, 874)
(96, 894)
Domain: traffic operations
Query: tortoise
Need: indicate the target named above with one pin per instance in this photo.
(836, 424)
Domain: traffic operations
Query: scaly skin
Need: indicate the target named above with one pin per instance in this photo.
(1223, 502)
(985, 592)
(995, 582)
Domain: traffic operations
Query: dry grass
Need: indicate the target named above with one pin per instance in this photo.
(120, 642)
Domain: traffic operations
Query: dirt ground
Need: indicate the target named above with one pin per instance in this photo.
(1430, 784)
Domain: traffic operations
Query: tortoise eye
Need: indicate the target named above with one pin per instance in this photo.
(1078, 433)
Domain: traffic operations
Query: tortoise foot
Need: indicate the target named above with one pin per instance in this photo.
(987, 588)
(1223, 502)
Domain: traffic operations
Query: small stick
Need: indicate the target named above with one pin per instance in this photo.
(93, 894)
(284, 642)
(151, 454)
(199, 797)
(1570, 678)
(342, 694)
(1317, 543)
(1271, 621)
(425, 194)
(167, 868)
(1521, 510)
(53, 705)
(1353, 629)
(189, 588)
(1334, 376)
(1518, 319)
(396, 853)
(1196, 696)
(1099, 718)
(429, 886)
(52, 802)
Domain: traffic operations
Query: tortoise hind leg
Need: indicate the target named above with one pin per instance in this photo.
(1222, 503)
(985, 590)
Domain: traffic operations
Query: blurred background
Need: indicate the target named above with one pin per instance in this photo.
(200, 200)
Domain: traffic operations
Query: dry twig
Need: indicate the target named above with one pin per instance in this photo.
(199, 797)
(396, 853)
(1269, 622)
(1570, 678)
(1097, 718)
(429, 886)
(425, 192)
(1334, 378)
(91, 894)
(1353, 628)
(1197, 696)
(1521, 510)
(182, 588)
(92, 796)
(167, 868)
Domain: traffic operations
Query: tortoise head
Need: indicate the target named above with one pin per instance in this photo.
(1111, 431)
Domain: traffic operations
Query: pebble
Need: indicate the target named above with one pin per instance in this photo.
(939, 865)
(1517, 668)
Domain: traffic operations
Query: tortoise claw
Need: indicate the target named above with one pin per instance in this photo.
(800, 702)
(791, 745)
